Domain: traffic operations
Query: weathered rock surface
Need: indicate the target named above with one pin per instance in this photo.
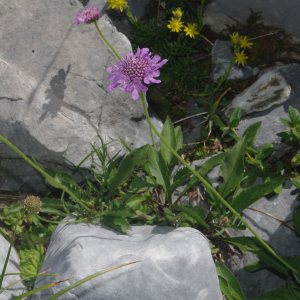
(12, 267)
(274, 13)
(53, 83)
(191, 132)
(270, 89)
(282, 239)
(271, 125)
(174, 263)
(222, 53)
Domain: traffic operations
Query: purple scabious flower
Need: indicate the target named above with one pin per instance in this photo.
(133, 69)
(89, 15)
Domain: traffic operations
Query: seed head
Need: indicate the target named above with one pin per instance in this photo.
(33, 205)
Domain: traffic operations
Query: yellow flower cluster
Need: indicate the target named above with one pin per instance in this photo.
(118, 4)
(175, 24)
(243, 42)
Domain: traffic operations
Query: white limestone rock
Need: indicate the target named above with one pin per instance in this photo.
(53, 96)
(175, 264)
(270, 89)
(12, 267)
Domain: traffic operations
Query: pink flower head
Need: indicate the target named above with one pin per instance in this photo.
(133, 69)
(89, 15)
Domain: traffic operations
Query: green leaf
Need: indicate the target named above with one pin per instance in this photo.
(52, 211)
(203, 170)
(294, 114)
(168, 134)
(281, 294)
(258, 265)
(264, 151)
(178, 138)
(295, 161)
(286, 122)
(158, 168)
(296, 218)
(296, 182)
(134, 158)
(232, 168)
(235, 117)
(287, 136)
(141, 183)
(249, 177)
(197, 213)
(232, 288)
(251, 133)
(251, 244)
(117, 223)
(219, 122)
(179, 178)
(248, 196)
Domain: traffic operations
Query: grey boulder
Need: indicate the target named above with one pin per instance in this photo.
(173, 263)
(271, 124)
(53, 82)
(12, 267)
(270, 89)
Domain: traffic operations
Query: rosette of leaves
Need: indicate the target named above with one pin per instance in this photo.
(31, 261)
(10, 219)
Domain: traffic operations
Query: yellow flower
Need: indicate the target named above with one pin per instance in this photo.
(175, 25)
(244, 43)
(240, 58)
(191, 30)
(235, 38)
(118, 4)
(178, 12)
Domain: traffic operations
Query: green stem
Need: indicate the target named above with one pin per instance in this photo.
(114, 51)
(50, 178)
(222, 200)
(57, 222)
(147, 116)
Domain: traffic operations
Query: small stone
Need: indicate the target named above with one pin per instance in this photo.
(269, 90)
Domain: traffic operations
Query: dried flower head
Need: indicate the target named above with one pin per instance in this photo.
(133, 69)
(33, 205)
(89, 15)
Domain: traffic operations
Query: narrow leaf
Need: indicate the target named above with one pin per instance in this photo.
(264, 151)
(169, 135)
(249, 195)
(134, 158)
(117, 223)
(236, 114)
(197, 213)
(232, 168)
(251, 133)
(233, 285)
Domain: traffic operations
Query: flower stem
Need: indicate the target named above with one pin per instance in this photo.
(222, 200)
(107, 41)
(147, 116)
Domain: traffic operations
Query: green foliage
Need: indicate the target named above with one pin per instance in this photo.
(229, 285)
(31, 261)
(10, 214)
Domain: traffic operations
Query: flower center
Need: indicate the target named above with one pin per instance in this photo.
(135, 68)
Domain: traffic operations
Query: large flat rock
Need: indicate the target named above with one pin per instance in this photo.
(12, 267)
(53, 83)
(175, 264)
